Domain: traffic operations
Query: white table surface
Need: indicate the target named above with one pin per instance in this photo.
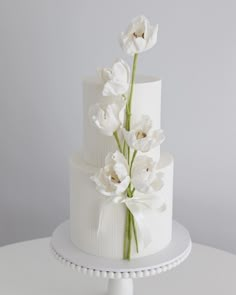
(29, 268)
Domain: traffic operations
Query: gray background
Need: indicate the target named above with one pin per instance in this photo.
(46, 47)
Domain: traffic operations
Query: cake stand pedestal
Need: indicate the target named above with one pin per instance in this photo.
(121, 272)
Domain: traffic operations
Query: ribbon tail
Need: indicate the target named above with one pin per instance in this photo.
(143, 230)
(138, 206)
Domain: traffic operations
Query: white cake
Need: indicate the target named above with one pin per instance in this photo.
(121, 184)
(85, 200)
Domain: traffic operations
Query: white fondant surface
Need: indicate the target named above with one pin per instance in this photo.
(85, 202)
(146, 101)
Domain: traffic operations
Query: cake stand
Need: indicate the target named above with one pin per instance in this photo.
(121, 272)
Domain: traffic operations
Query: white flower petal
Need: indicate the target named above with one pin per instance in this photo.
(116, 79)
(112, 88)
(158, 183)
(141, 137)
(140, 36)
(159, 136)
(121, 170)
(104, 74)
(113, 179)
(144, 124)
(152, 37)
(140, 44)
(121, 71)
(107, 117)
(145, 176)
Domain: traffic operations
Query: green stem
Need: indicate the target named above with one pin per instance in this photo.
(125, 250)
(128, 114)
(129, 195)
(130, 191)
(130, 236)
(117, 141)
(135, 234)
(129, 103)
(130, 224)
(132, 88)
(132, 161)
(124, 148)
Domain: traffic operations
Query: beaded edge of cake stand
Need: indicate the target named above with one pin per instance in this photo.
(124, 274)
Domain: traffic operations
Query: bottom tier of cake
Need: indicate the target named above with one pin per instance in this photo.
(86, 205)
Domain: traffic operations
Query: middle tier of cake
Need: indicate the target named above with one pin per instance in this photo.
(85, 208)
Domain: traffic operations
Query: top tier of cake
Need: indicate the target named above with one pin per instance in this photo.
(146, 101)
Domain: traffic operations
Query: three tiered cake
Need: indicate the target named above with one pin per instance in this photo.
(124, 209)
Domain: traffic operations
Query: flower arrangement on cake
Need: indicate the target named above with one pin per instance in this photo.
(130, 175)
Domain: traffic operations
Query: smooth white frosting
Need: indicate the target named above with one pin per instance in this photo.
(84, 210)
(146, 100)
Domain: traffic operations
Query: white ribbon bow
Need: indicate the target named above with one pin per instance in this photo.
(139, 205)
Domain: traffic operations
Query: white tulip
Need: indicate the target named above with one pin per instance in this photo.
(116, 79)
(140, 36)
(141, 137)
(145, 176)
(113, 179)
(108, 116)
